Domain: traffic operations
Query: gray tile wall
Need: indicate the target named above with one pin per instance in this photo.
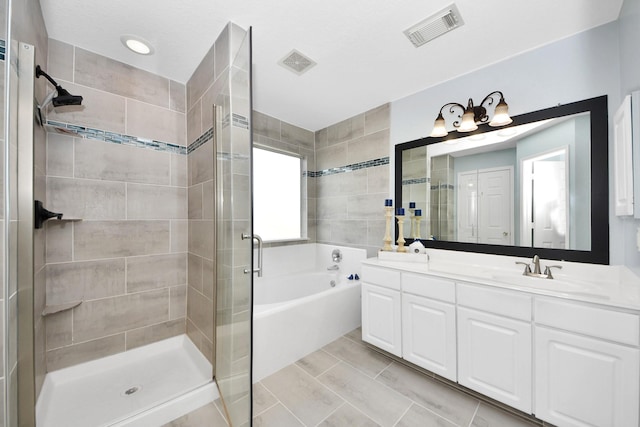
(202, 89)
(441, 194)
(349, 205)
(200, 237)
(415, 189)
(117, 97)
(127, 258)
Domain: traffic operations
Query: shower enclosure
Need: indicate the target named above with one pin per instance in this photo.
(218, 323)
(233, 230)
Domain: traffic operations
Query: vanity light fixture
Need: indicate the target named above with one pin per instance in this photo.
(473, 114)
(137, 44)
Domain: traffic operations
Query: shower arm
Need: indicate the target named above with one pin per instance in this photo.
(39, 73)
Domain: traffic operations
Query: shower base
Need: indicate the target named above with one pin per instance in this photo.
(147, 386)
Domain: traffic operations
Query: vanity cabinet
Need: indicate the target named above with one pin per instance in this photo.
(429, 324)
(494, 344)
(568, 362)
(587, 365)
(381, 309)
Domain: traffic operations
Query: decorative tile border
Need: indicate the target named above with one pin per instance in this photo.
(349, 168)
(207, 136)
(3, 49)
(114, 138)
(134, 141)
(443, 187)
(232, 156)
(240, 121)
(415, 181)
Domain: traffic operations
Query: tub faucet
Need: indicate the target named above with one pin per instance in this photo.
(334, 267)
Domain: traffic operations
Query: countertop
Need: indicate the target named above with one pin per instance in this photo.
(613, 286)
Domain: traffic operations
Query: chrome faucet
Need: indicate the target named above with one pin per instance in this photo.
(334, 267)
(536, 269)
(536, 264)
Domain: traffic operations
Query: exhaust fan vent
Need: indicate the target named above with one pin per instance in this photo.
(436, 25)
(297, 62)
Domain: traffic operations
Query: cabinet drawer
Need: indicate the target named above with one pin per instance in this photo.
(593, 321)
(381, 276)
(496, 301)
(430, 287)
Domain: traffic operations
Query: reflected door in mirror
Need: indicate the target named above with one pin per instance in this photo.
(485, 206)
(545, 201)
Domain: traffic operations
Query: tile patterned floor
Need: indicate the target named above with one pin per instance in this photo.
(347, 384)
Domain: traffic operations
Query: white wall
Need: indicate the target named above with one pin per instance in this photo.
(630, 81)
(583, 66)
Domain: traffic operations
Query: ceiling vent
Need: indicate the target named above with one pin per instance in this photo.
(296, 62)
(436, 25)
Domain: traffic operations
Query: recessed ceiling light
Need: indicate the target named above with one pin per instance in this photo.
(137, 44)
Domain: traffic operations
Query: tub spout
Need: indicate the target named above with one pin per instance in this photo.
(334, 267)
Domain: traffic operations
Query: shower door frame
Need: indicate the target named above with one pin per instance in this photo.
(18, 247)
(233, 239)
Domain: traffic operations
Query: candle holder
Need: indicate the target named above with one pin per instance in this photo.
(417, 227)
(401, 241)
(387, 234)
(412, 216)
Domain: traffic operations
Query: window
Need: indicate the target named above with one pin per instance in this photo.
(278, 208)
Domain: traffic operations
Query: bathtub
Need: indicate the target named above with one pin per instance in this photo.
(300, 306)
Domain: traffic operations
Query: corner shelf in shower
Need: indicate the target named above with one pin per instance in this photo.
(64, 220)
(52, 309)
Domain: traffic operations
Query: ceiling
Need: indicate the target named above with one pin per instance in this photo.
(364, 59)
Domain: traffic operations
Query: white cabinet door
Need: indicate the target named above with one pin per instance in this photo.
(381, 318)
(623, 158)
(494, 357)
(583, 381)
(429, 334)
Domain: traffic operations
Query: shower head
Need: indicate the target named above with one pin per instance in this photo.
(65, 98)
(60, 98)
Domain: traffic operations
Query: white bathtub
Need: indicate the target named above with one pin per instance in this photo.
(296, 310)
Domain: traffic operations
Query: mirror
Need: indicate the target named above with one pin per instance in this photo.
(538, 186)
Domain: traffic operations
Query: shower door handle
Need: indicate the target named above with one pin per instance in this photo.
(259, 240)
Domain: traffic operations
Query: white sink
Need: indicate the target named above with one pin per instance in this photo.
(569, 287)
(574, 287)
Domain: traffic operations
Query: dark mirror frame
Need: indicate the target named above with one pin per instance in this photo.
(599, 253)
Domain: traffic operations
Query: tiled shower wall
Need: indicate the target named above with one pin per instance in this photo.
(126, 257)
(206, 83)
(352, 180)
(441, 194)
(282, 136)
(414, 189)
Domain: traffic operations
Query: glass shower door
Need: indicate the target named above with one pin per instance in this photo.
(233, 230)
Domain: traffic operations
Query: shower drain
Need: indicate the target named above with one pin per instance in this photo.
(131, 390)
